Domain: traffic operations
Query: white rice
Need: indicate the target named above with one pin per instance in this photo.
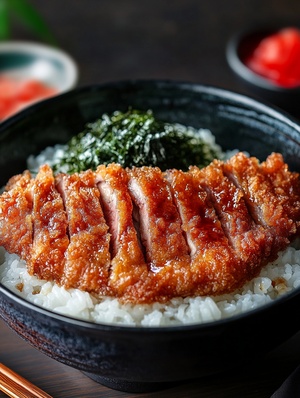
(276, 279)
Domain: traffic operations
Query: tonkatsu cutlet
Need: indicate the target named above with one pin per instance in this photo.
(146, 235)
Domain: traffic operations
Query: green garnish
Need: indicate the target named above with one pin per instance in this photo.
(135, 138)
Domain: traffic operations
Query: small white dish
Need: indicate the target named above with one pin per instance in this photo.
(29, 60)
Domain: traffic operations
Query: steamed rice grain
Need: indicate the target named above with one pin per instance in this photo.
(276, 279)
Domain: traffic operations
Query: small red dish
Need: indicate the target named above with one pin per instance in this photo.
(247, 57)
(276, 57)
(16, 94)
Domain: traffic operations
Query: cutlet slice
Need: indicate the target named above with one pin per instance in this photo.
(251, 242)
(16, 229)
(173, 234)
(87, 256)
(50, 239)
(159, 221)
(285, 184)
(128, 265)
(265, 205)
(214, 264)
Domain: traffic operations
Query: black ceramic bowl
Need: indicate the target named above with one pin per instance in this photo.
(135, 358)
(242, 44)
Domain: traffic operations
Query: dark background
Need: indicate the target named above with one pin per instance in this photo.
(176, 39)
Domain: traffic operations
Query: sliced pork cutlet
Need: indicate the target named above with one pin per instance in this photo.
(265, 205)
(128, 265)
(87, 256)
(50, 240)
(214, 264)
(251, 242)
(286, 185)
(16, 230)
(159, 223)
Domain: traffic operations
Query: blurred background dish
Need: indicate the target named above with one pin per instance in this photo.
(49, 65)
(30, 72)
(267, 61)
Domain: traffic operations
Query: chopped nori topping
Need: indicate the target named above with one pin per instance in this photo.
(135, 138)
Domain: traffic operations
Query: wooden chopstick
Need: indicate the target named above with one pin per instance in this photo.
(16, 386)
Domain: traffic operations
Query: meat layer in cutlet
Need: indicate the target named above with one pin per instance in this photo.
(214, 264)
(159, 221)
(267, 208)
(167, 253)
(50, 240)
(251, 243)
(87, 257)
(128, 265)
(16, 230)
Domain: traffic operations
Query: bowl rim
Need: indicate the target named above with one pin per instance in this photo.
(234, 96)
(239, 67)
(44, 50)
(247, 100)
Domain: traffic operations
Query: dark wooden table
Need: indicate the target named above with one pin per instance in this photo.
(180, 40)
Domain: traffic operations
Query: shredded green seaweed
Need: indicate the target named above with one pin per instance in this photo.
(135, 138)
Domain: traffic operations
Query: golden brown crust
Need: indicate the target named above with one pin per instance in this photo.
(128, 265)
(87, 258)
(49, 221)
(16, 230)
